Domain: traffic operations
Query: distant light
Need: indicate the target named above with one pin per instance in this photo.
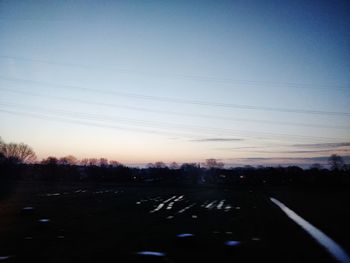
(185, 235)
(151, 253)
(28, 208)
(232, 243)
(44, 220)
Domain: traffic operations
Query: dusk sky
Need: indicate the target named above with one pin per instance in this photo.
(246, 82)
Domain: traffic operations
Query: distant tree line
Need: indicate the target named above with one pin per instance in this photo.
(18, 162)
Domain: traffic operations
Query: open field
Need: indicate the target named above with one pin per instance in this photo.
(87, 223)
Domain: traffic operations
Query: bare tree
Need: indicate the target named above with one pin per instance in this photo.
(160, 165)
(336, 162)
(1, 143)
(316, 166)
(68, 160)
(93, 161)
(114, 163)
(53, 161)
(150, 165)
(213, 163)
(90, 161)
(174, 166)
(18, 152)
(2, 156)
(103, 162)
(84, 162)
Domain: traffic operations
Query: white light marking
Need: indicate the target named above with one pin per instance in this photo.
(170, 206)
(168, 200)
(28, 208)
(158, 208)
(55, 194)
(205, 203)
(331, 246)
(228, 208)
(151, 253)
(185, 235)
(186, 208)
(179, 198)
(44, 220)
(220, 205)
(232, 243)
(210, 205)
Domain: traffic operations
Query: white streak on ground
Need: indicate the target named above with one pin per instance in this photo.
(161, 205)
(210, 205)
(219, 206)
(186, 208)
(330, 245)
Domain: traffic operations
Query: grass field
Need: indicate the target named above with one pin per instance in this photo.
(106, 223)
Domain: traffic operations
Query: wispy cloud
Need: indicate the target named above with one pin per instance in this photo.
(284, 161)
(324, 145)
(218, 140)
(325, 151)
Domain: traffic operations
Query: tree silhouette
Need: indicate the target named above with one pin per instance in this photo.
(174, 166)
(17, 152)
(213, 163)
(159, 165)
(103, 162)
(52, 161)
(115, 163)
(336, 162)
(1, 142)
(68, 160)
(2, 156)
(316, 166)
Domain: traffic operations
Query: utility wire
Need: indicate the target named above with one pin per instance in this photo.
(182, 76)
(187, 101)
(155, 124)
(204, 116)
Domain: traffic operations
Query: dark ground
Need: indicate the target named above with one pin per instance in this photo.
(109, 223)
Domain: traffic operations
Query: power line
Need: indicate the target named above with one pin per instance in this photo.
(156, 124)
(186, 101)
(184, 76)
(60, 119)
(163, 112)
(142, 109)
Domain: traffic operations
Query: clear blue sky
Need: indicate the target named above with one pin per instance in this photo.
(142, 81)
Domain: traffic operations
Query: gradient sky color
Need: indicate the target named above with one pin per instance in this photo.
(247, 82)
